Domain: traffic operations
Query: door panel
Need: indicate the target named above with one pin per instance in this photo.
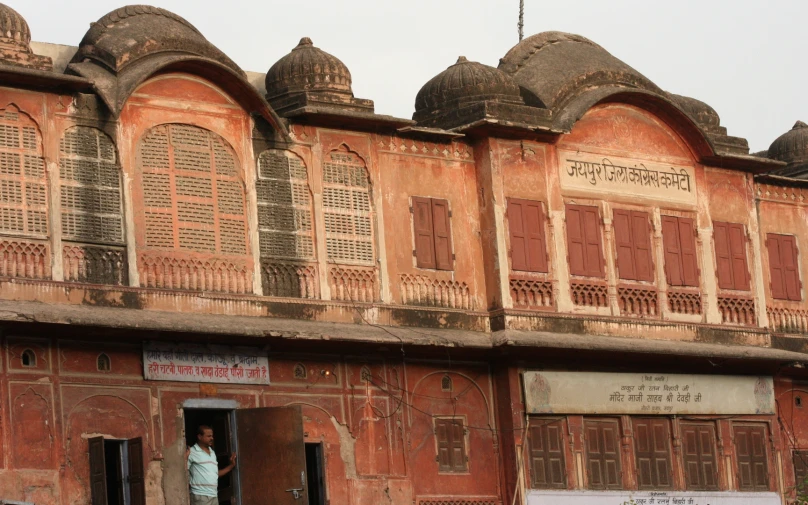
(137, 481)
(271, 456)
(98, 471)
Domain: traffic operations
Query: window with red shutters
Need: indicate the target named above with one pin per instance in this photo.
(451, 436)
(699, 457)
(679, 243)
(750, 451)
(584, 243)
(652, 450)
(784, 267)
(730, 255)
(433, 235)
(602, 439)
(526, 229)
(547, 468)
(632, 236)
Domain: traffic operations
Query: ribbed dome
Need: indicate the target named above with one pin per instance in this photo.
(792, 146)
(308, 68)
(13, 27)
(466, 81)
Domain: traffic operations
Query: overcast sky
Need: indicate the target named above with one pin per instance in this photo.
(745, 58)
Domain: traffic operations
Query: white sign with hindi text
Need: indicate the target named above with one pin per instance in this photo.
(196, 363)
(536, 497)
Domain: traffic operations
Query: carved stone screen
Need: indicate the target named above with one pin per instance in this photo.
(90, 184)
(23, 193)
(347, 209)
(284, 207)
(191, 212)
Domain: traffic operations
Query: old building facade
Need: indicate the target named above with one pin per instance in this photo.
(556, 283)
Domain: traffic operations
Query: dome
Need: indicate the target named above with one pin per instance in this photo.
(308, 68)
(465, 82)
(126, 35)
(792, 146)
(13, 27)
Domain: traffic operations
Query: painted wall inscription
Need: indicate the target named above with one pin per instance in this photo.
(650, 498)
(646, 393)
(613, 174)
(191, 363)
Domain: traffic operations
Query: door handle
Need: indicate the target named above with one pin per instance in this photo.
(296, 492)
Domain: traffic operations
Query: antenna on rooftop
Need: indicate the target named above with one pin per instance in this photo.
(521, 23)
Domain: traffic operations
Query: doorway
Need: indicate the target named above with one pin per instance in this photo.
(315, 475)
(221, 421)
(116, 460)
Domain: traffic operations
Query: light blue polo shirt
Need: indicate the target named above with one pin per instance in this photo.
(204, 472)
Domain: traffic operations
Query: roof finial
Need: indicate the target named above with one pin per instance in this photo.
(305, 41)
(521, 24)
(461, 59)
(799, 124)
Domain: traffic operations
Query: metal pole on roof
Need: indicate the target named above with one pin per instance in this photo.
(521, 23)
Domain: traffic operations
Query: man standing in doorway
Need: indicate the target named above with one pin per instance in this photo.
(204, 468)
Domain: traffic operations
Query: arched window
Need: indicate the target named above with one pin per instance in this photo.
(365, 375)
(299, 371)
(103, 363)
(446, 383)
(23, 188)
(90, 183)
(347, 209)
(28, 358)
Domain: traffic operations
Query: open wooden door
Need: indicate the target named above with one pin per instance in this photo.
(271, 456)
(137, 480)
(98, 471)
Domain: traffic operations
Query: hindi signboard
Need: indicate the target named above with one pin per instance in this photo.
(646, 393)
(613, 174)
(536, 497)
(209, 363)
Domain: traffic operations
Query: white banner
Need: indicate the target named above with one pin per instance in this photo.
(650, 498)
(646, 393)
(197, 363)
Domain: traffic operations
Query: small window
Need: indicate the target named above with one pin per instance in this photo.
(526, 229)
(798, 401)
(730, 256)
(446, 383)
(603, 467)
(753, 464)
(103, 363)
(800, 459)
(451, 436)
(652, 451)
(547, 468)
(679, 245)
(584, 241)
(28, 358)
(699, 454)
(632, 238)
(784, 269)
(365, 375)
(299, 371)
(433, 236)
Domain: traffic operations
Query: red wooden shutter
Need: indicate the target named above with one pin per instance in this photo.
(791, 272)
(723, 259)
(643, 254)
(750, 451)
(137, 477)
(98, 471)
(451, 445)
(516, 227)
(673, 251)
(443, 434)
(594, 243)
(687, 242)
(443, 234)
(533, 217)
(576, 248)
(458, 445)
(547, 455)
(778, 284)
(424, 240)
(699, 456)
(603, 454)
(737, 245)
(652, 444)
(626, 263)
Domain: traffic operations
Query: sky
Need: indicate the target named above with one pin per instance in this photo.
(745, 58)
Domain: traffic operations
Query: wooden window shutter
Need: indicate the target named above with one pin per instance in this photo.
(740, 269)
(723, 261)
(652, 445)
(594, 242)
(791, 272)
(602, 441)
(750, 451)
(576, 248)
(673, 251)
(424, 241)
(443, 234)
(800, 460)
(458, 445)
(137, 480)
(626, 263)
(547, 467)
(643, 254)
(699, 457)
(778, 284)
(98, 471)
(687, 242)
(443, 434)
(451, 438)
(516, 227)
